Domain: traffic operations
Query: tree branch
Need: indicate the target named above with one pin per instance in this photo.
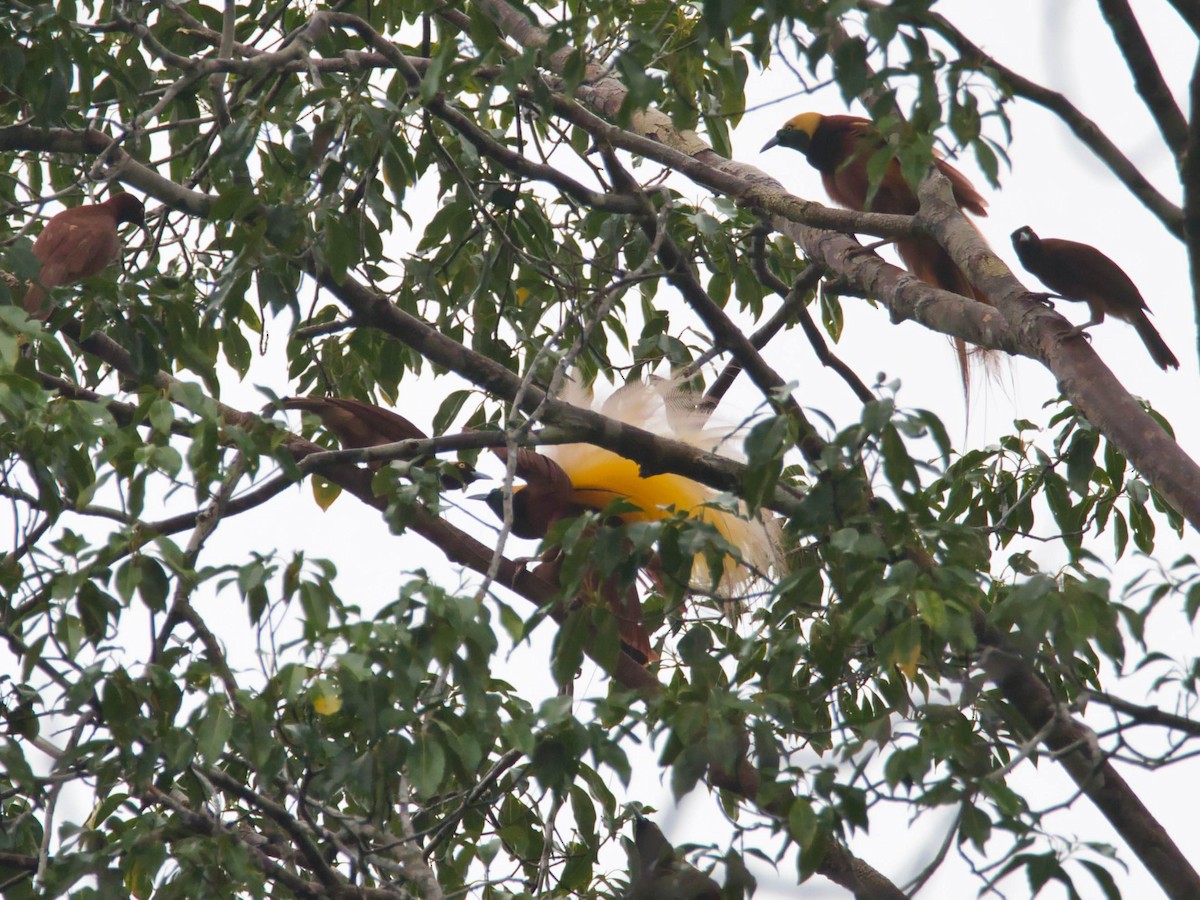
(1189, 11)
(121, 165)
(795, 304)
(724, 332)
(1146, 715)
(300, 836)
(1076, 749)
(1191, 194)
(1082, 375)
(1085, 129)
(1147, 77)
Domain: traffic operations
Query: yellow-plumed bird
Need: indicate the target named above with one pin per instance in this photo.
(584, 476)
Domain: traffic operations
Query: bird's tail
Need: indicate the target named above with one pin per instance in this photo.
(622, 600)
(926, 259)
(1154, 342)
(357, 424)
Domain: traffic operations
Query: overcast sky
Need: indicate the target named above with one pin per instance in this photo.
(1056, 187)
(1059, 189)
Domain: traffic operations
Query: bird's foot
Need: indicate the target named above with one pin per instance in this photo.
(1043, 298)
(866, 249)
(1076, 331)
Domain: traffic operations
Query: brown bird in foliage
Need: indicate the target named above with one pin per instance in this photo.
(840, 148)
(656, 872)
(78, 243)
(1080, 272)
(357, 424)
(568, 479)
(548, 497)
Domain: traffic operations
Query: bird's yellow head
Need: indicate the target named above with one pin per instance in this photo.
(797, 132)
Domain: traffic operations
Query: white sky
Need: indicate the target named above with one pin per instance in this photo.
(1056, 187)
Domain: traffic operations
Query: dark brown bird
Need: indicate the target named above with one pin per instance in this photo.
(657, 873)
(357, 424)
(1080, 272)
(840, 147)
(78, 243)
(548, 497)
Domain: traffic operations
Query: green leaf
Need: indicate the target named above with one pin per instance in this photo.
(214, 730)
(426, 765)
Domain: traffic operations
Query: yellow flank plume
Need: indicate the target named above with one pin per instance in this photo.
(600, 476)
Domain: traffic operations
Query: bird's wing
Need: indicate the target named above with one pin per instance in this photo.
(92, 249)
(356, 423)
(56, 249)
(537, 469)
(1081, 272)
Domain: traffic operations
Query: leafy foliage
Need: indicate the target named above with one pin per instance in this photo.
(346, 747)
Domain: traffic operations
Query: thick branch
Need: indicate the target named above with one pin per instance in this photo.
(1191, 194)
(122, 165)
(1147, 77)
(1082, 375)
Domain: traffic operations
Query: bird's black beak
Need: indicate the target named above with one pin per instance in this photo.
(773, 142)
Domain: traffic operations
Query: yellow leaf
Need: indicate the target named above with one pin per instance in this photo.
(324, 492)
(522, 296)
(325, 699)
(908, 664)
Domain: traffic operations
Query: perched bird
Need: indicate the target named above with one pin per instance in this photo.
(656, 873)
(357, 424)
(78, 243)
(1081, 272)
(840, 148)
(568, 479)
(596, 477)
(546, 498)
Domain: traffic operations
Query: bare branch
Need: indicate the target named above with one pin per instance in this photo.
(1085, 129)
(1147, 77)
(1076, 748)
(724, 332)
(1191, 193)
(1146, 715)
(1189, 11)
(795, 304)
